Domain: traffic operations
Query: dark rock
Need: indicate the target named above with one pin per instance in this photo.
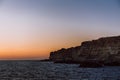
(105, 50)
(67, 62)
(45, 60)
(91, 64)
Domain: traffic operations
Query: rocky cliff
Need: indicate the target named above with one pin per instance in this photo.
(105, 50)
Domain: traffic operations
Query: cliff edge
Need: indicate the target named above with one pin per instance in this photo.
(103, 50)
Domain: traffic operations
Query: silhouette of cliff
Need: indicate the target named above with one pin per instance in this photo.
(104, 50)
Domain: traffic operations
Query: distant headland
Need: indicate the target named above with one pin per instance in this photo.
(95, 53)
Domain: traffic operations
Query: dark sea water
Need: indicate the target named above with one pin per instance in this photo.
(36, 70)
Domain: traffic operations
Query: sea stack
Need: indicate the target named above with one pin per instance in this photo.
(103, 51)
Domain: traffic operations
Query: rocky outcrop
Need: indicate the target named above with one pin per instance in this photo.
(104, 50)
(65, 55)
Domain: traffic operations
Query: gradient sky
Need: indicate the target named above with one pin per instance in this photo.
(30, 29)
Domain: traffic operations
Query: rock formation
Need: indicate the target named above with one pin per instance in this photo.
(104, 50)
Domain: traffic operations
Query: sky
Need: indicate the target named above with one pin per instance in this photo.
(31, 29)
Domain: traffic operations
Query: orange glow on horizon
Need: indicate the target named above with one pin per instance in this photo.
(37, 49)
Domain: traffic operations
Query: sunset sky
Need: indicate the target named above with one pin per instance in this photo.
(30, 29)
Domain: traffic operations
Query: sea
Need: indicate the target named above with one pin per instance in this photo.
(37, 70)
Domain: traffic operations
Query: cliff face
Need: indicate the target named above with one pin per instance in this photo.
(70, 54)
(105, 50)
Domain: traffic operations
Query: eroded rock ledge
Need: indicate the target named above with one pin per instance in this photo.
(104, 51)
